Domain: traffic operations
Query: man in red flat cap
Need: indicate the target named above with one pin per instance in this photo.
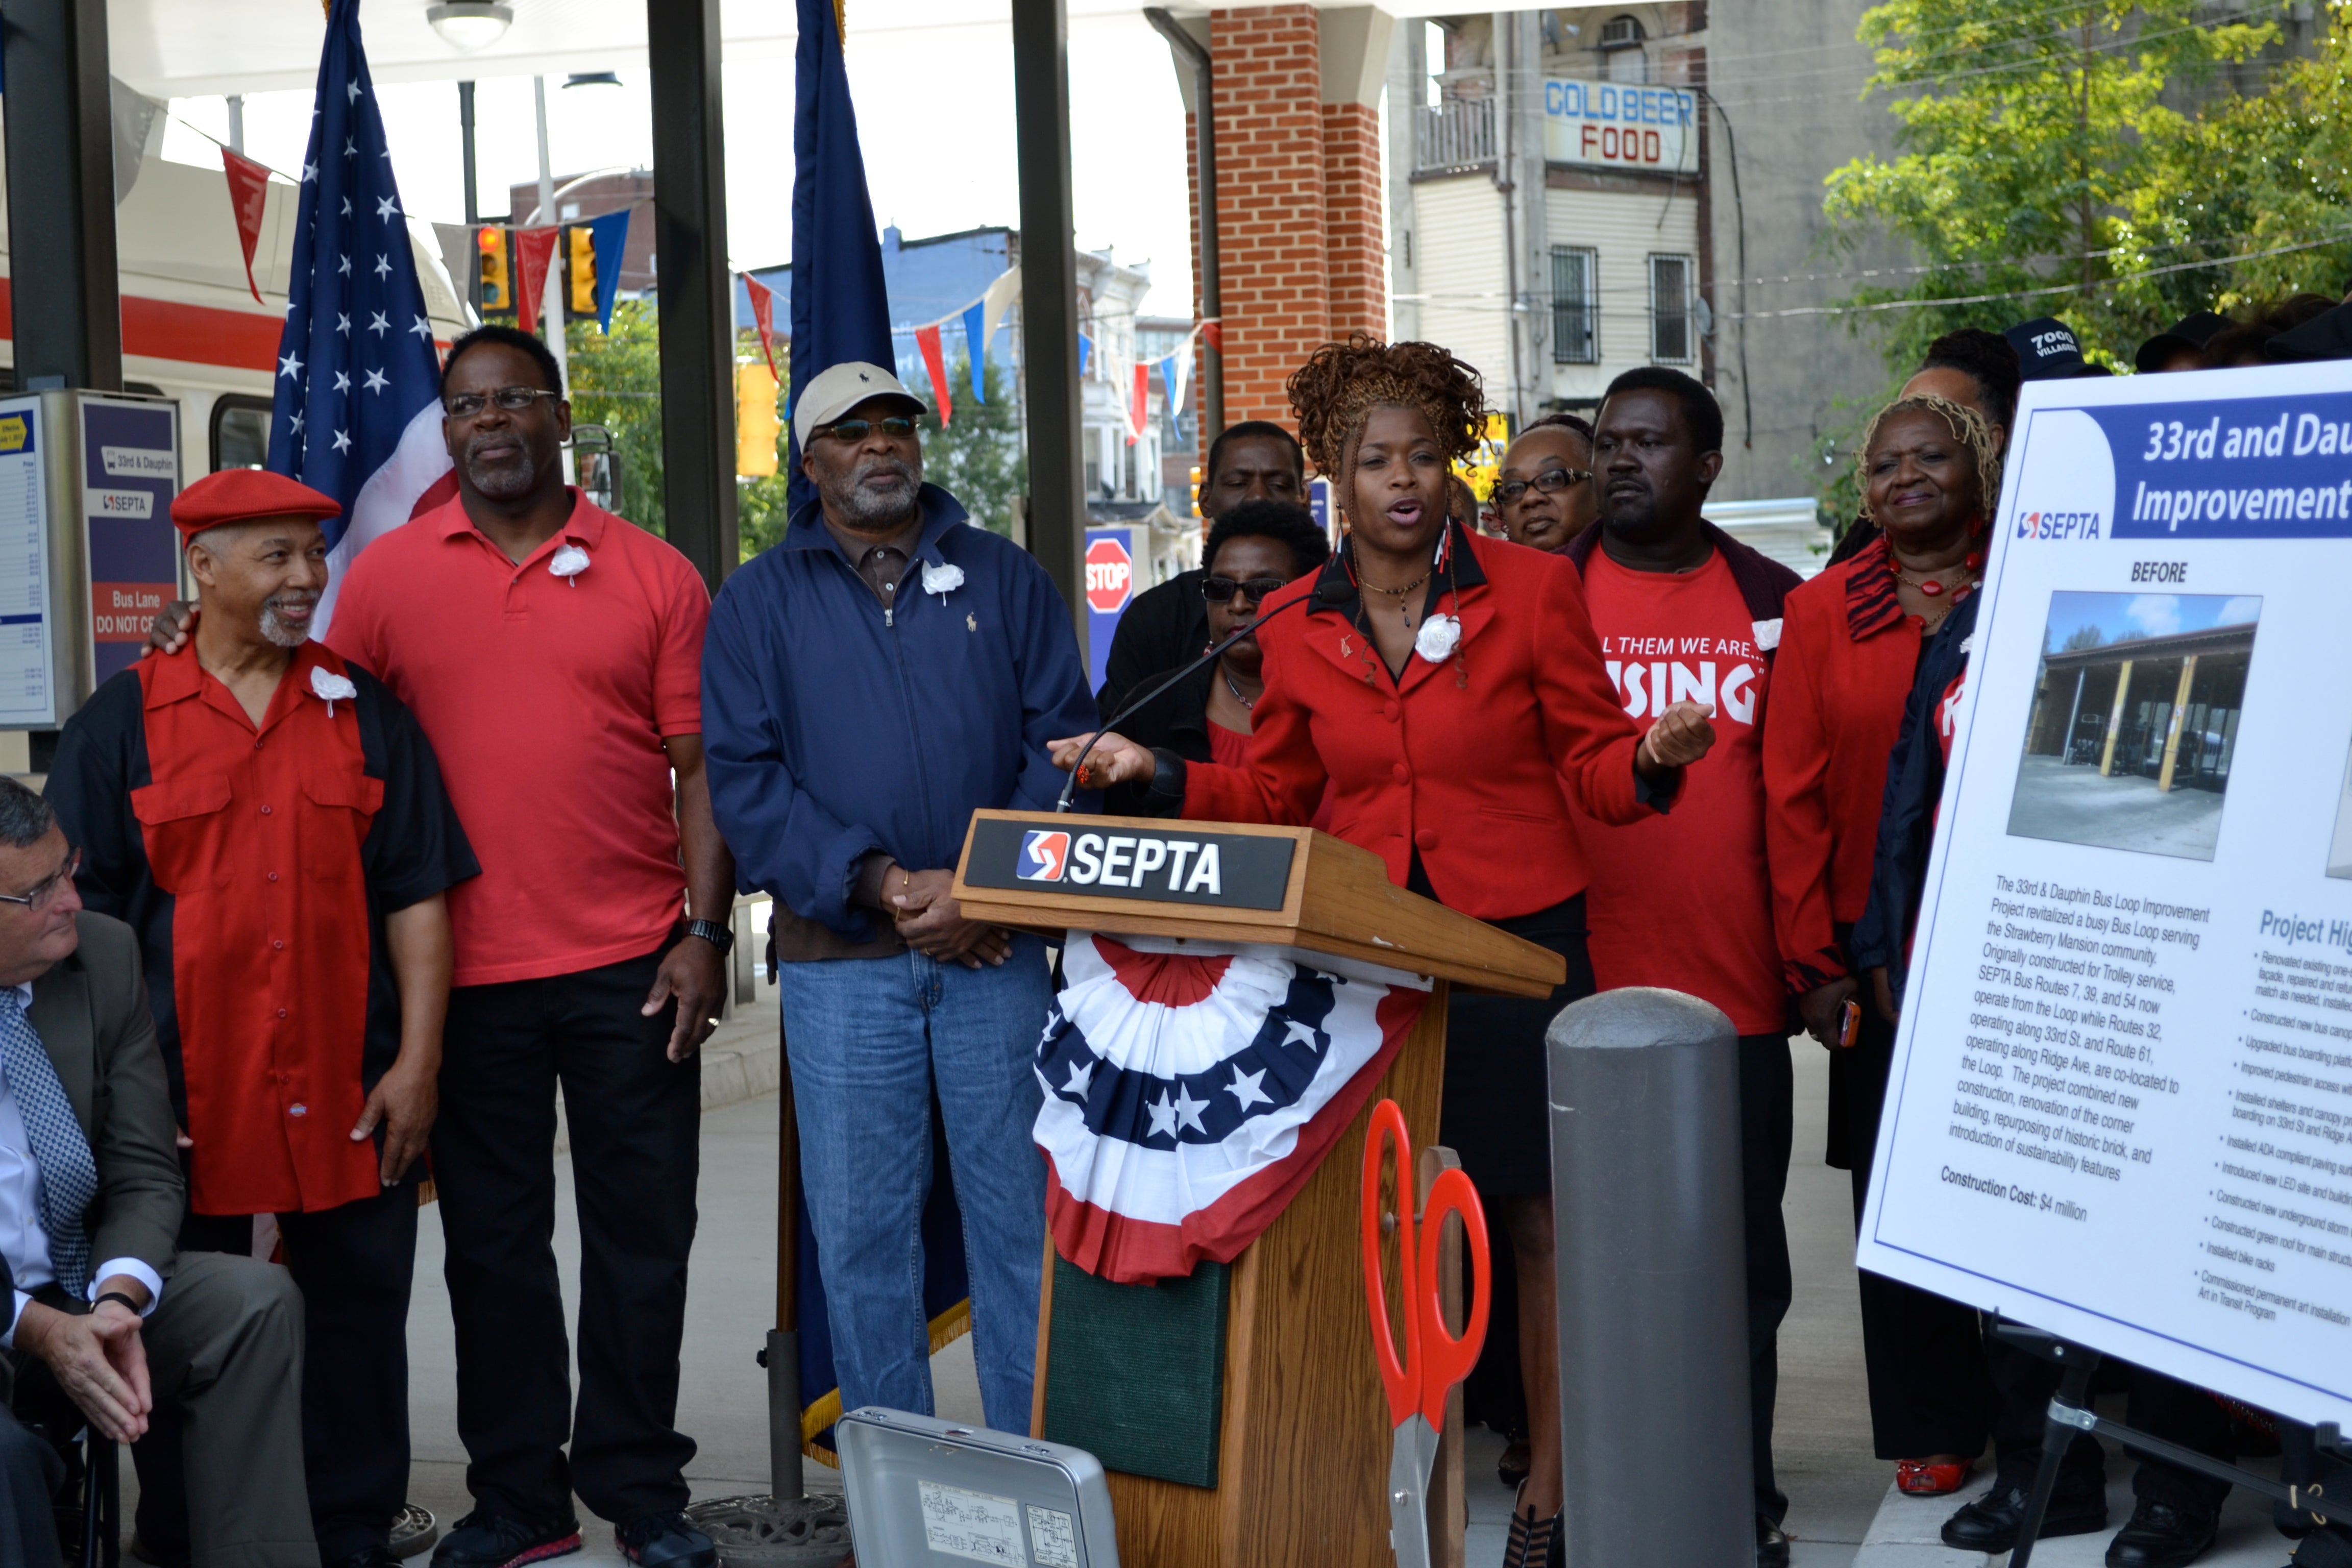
(272, 823)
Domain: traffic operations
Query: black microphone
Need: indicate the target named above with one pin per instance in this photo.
(1325, 594)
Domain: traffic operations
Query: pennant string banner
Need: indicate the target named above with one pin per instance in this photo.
(927, 340)
(535, 250)
(248, 198)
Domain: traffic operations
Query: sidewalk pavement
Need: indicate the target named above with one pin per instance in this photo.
(1842, 1511)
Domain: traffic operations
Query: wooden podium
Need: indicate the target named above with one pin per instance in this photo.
(1303, 1437)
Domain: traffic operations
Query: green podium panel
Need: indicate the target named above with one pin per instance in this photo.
(1135, 1375)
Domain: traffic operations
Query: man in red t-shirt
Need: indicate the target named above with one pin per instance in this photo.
(1682, 900)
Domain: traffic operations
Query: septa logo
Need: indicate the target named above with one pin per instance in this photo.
(1045, 855)
(2058, 525)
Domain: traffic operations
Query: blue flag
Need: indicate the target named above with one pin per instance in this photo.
(608, 238)
(357, 412)
(841, 307)
(975, 342)
(841, 311)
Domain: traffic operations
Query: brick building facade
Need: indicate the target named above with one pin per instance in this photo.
(1300, 215)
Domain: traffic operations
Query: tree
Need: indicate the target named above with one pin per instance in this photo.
(616, 383)
(2029, 133)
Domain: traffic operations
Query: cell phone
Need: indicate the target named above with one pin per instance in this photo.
(1848, 1023)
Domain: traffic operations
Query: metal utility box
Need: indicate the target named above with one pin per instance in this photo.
(923, 1492)
(87, 553)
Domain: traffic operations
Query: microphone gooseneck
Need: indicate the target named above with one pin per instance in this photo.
(1176, 677)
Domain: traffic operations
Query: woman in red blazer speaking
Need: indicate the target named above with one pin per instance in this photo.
(1449, 691)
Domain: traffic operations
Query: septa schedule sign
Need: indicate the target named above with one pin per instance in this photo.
(2120, 1107)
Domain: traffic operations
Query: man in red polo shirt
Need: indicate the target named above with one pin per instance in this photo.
(553, 652)
(270, 821)
(1685, 612)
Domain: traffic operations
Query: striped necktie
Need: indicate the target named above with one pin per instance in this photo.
(61, 1158)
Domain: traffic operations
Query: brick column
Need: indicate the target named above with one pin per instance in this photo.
(1356, 229)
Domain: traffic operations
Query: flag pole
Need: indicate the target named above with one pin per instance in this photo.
(552, 289)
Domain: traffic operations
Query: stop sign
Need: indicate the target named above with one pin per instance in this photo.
(1110, 577)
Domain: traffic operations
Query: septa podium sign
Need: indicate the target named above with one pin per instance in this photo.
(2120, 1107)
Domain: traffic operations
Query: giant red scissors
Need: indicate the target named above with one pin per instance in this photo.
(1433, 1361)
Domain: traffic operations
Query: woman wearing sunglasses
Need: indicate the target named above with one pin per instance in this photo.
(1545, 495)
(1253, 550)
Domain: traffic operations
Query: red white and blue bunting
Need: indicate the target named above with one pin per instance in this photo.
(1189, 1095)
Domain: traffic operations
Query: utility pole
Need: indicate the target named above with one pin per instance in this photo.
(552, 291)
(2083, 152)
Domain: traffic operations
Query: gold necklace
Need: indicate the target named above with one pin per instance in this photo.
(1398, 594)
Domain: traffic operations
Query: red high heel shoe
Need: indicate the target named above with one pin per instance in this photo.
(1917, 1477)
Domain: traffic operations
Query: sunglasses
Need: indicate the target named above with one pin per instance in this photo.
(1550, 482)
(897, 426)
(513, 399)
(1220, 590)
(45, 889)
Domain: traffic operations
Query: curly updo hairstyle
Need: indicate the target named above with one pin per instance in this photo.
(1340, 383)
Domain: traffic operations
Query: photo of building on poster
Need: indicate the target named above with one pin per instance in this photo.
(2135, 721)
(2339, 848)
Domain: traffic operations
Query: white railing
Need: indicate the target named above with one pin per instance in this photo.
(1455, 135)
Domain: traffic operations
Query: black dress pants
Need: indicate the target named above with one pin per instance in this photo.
(1929, 1392)
(635, 1122)
(355, 1266)
(1766, 1119)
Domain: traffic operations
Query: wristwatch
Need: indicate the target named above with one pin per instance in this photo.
(721, 937)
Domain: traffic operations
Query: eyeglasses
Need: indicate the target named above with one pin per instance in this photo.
(1221, 589)
(1551, 482)
(47, 887)
(513, 399)
(897, 426)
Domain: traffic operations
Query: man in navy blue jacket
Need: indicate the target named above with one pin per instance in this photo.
(867, 684)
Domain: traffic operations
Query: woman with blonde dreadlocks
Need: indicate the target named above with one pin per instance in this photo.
(1448, 689)
(1852, 642)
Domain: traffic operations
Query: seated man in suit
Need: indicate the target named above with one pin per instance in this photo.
(90, 1199)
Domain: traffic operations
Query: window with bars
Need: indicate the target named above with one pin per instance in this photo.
(1671, 338)
(1575, 306)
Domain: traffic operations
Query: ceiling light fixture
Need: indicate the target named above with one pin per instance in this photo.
(470, 25)
(592, 79)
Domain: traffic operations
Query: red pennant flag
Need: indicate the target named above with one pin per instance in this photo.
(935, 361)
(534, 250)
(248, 198)
(1214, 334)
(1138, 410)
(763, 316)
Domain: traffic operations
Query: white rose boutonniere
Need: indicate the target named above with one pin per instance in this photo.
(568, 562)
(1437, 639)
(330, 688)
(942, 580)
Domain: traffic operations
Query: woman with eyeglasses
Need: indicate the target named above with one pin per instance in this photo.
(1253, 551)
(1545, 494)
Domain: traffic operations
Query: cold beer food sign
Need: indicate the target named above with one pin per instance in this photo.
(2120, 1107)
(1620, 125)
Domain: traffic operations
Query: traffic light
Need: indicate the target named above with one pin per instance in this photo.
(498, 294)
(1196, 489)
(580, 271)
(756, 425)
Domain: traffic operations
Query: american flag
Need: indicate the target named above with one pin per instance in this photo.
(358, 412)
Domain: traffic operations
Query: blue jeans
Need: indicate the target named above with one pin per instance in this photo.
(868, 1039)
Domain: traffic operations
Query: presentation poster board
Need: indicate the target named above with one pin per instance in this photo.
(2120, 1107)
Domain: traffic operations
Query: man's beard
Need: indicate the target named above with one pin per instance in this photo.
(507, 481)
(865, 508)
(274, 627)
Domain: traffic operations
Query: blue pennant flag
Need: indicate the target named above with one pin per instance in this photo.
(975, 342)
(1167, 380)
(608, 237)
(841, 307)
(357, 412)
(1085, 352)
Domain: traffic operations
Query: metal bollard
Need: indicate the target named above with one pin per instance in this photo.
(1652, 1261)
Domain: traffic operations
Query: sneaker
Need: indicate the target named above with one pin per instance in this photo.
(487, 1539)
(665, 1541)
